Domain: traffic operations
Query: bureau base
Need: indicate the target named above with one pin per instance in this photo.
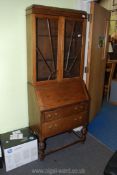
(57, 108)
(81, 137)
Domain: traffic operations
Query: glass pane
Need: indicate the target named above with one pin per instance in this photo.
(46, 48)
(73, 44)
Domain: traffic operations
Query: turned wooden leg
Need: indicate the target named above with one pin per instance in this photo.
(84, 132)
(41, 149)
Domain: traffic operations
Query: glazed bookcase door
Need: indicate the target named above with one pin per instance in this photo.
(46, 48)
(72, 48)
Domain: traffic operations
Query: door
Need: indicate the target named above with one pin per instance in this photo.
(98, 35)
(46, 47)
(74, 42)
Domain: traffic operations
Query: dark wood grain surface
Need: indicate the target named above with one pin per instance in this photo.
(61, 94)
(56, 103)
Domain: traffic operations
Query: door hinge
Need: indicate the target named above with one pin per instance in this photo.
(89, 17)
(86, 69)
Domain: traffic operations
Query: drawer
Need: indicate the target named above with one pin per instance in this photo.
(65, 111)
(64, 124)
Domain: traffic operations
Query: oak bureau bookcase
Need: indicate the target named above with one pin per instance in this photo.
(58, 100)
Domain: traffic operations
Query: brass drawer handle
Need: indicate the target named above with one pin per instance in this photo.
(81, 107)
(50, 127)
(80, 117)
(49, 116)
(57, 115)
(76, 107)
(55, 125)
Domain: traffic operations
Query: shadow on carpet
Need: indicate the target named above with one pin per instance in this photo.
(89, 159)
(104, 126)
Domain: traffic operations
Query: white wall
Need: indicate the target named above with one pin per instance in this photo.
(85, 6)
(13, 65)
(107, 4)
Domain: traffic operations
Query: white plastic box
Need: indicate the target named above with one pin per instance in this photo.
(19, 152)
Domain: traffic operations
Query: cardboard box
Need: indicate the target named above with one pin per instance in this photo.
(19, 152)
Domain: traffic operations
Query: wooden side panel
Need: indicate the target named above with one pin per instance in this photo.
(31, 47)
(83, 48)
(33, 109)
(60, 54)
(96, 56)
